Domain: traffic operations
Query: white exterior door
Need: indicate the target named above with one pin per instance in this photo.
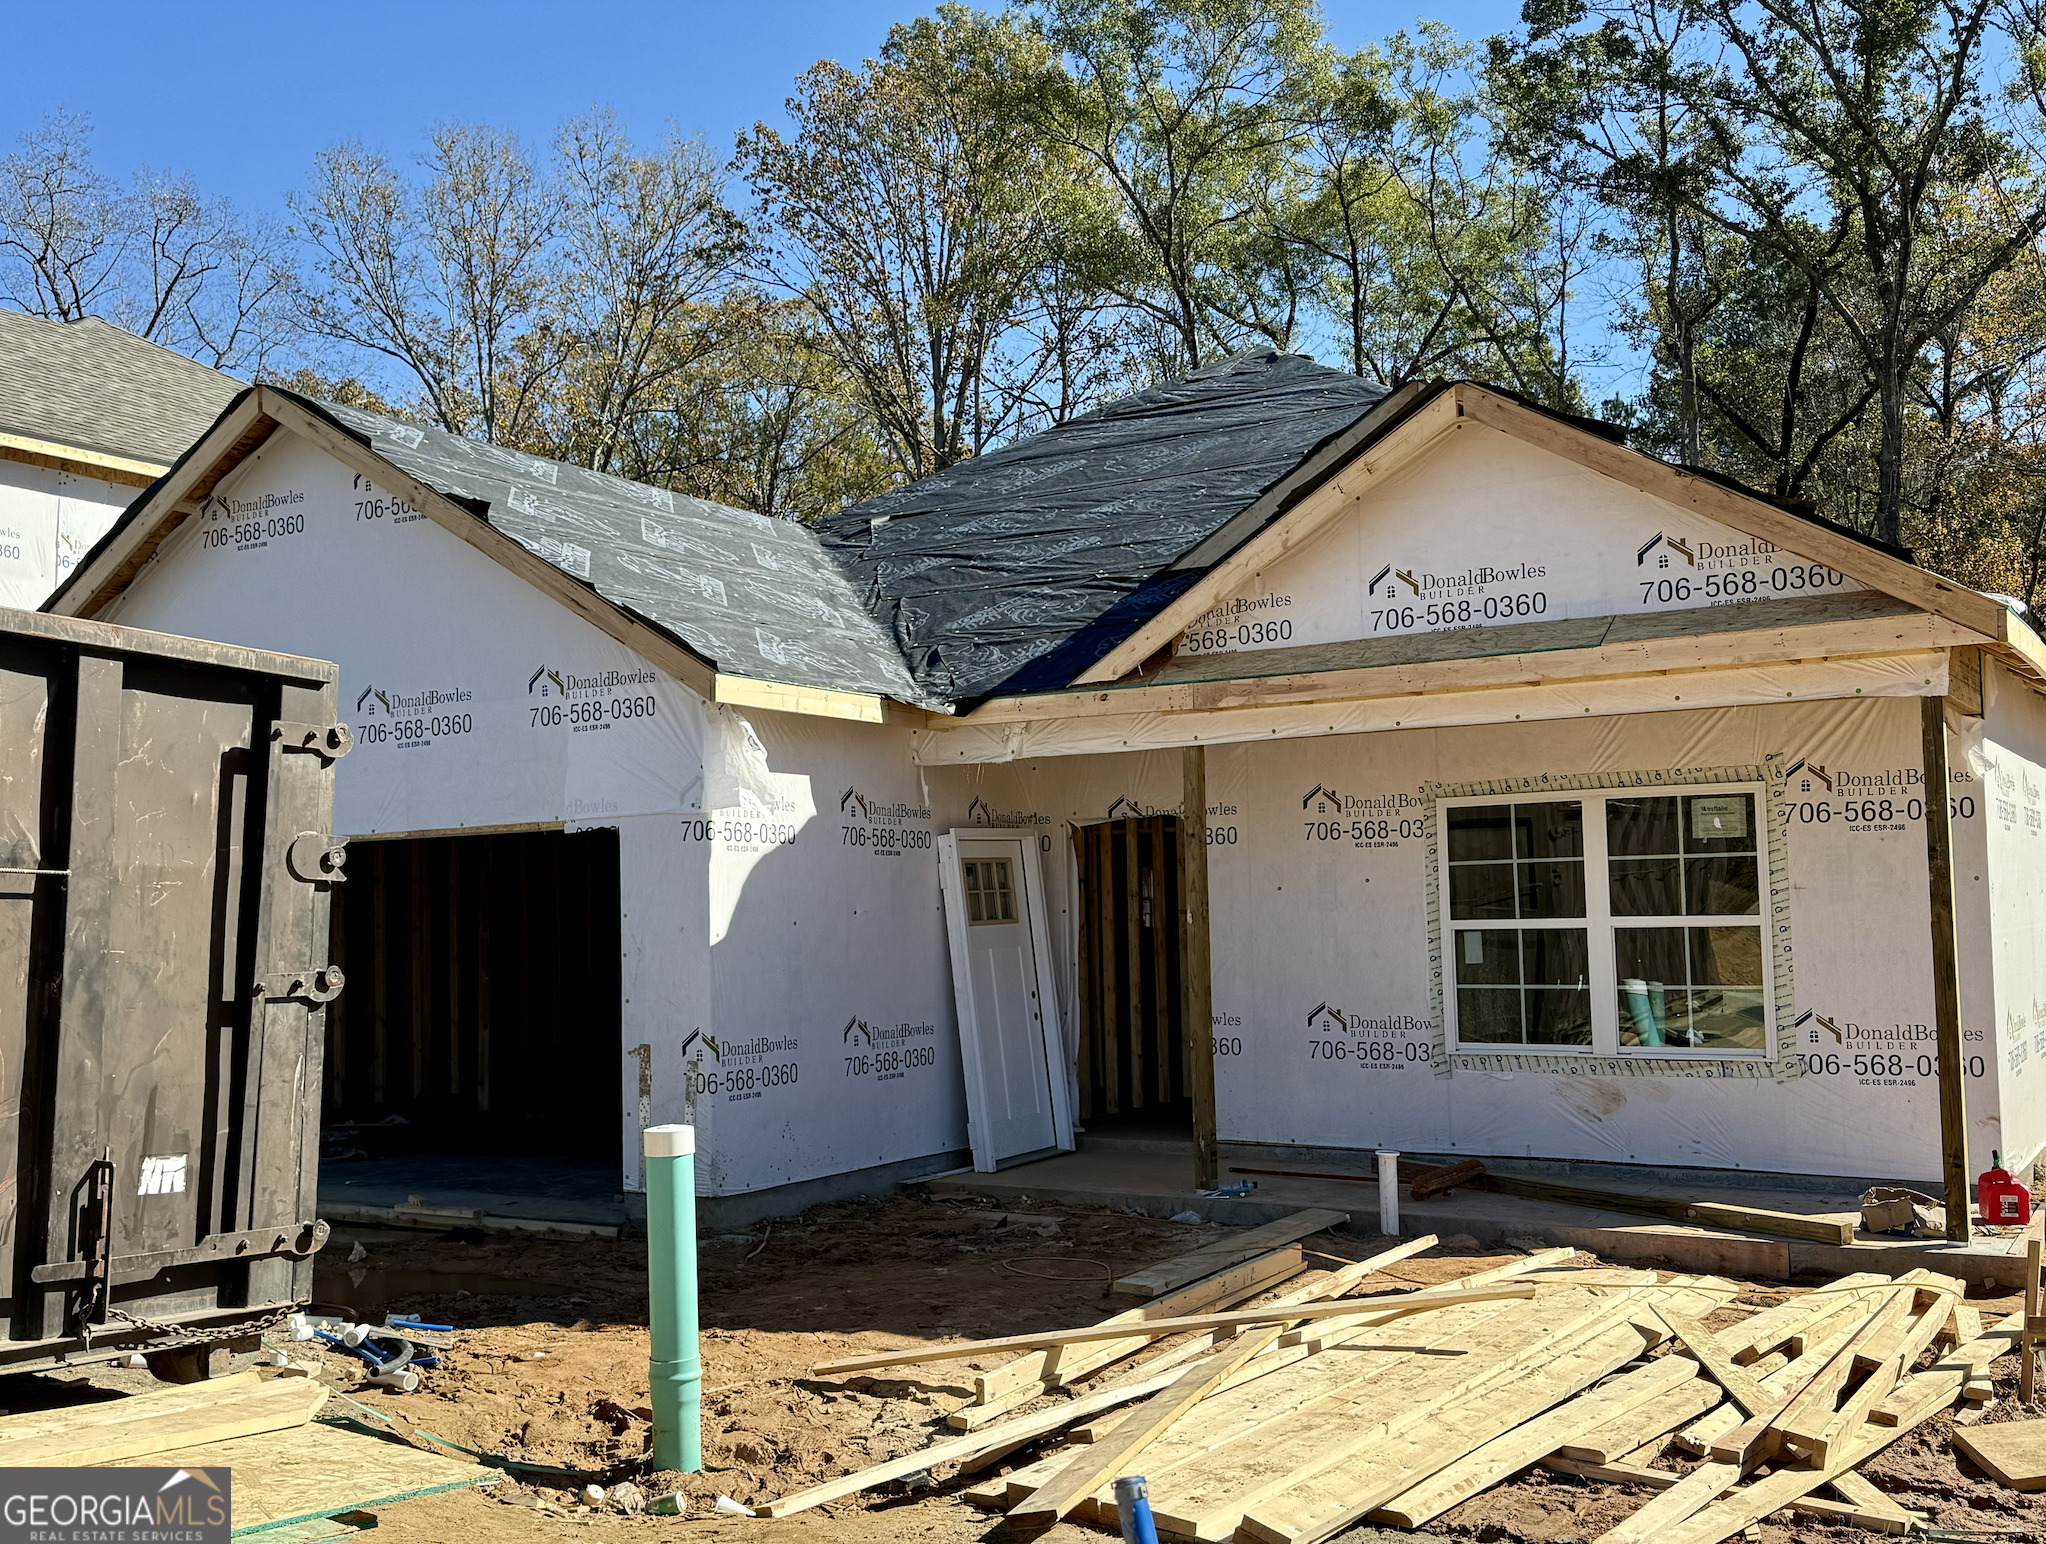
(1008, 1016)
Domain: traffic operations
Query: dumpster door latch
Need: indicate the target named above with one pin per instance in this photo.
(308, 986)
(316, 858)
(330, 742)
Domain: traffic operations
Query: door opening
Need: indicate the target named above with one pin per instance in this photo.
(481, 1023)
(1132, 1055)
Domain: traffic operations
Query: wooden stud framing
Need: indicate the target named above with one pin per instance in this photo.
(1196, 991)
(2028, 1344)
(1083, 970)
(1132, 903)
(1160, 1028)
(1104, 921)
(1946, 969)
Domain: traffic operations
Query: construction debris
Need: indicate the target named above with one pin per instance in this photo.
(1245, 1429)
(2013, 1451)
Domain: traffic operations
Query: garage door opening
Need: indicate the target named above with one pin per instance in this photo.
(476, 1047)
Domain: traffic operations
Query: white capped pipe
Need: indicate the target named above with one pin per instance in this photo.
(1389, 1193)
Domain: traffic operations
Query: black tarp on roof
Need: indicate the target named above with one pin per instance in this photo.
(1017, 570)
(756, 597)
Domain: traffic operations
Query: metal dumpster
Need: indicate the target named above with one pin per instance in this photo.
(165, 875)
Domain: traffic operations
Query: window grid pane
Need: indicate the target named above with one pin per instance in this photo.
(1680, 986)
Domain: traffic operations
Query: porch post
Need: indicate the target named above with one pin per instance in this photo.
(1946, 969)
(1196, 994)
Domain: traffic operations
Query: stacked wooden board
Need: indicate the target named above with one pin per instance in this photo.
(1292, 1418)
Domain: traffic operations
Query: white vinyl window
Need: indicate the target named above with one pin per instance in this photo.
(1609, 922)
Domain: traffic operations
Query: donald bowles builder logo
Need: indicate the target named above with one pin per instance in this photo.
(1392, 1042)
(411, 720)
(1431, 586)
(883, 829)
(116, 1506)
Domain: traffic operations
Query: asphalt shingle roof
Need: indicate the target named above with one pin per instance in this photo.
(93, 386)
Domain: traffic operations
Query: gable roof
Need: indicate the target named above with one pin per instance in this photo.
(1018, 569)
(754, 596)
(92, 386)
(1062, 562)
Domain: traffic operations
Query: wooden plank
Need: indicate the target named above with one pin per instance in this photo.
(2028, 1347)
(1752, 1219)
(1111, 1456)
(1406, 1303)
(380, 988)
(1435, 1182)
(1924, 1393)
(1039, 1372)
(1389, 1393)
(1554, 1429)
(292, 1476)
(2013, 1452)
(136, 1427)
(453, 926)
(1197, 1013)
(419, 972)
(1133, 916)
(1748, 1442)
(1741, 1386)
(1879, 1515)
(1946, 969)
(1804, 1419)
(1861, 1495)
(1366, 1473)
(1171, 1274)
(1852, 1414)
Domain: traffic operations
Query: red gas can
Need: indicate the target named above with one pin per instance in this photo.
(2002, 1200)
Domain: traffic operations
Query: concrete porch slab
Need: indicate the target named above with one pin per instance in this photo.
(1156, 1181)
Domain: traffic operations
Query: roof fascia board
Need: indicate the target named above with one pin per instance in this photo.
(816, 701)
(1371, 466)
(1857, 638)
(1753, 517)
(139, 532)
(651, 644)
(74, 458)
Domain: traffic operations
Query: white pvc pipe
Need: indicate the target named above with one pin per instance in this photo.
(1389, 1193)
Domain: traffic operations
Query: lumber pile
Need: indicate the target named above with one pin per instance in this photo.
(1288, 1419)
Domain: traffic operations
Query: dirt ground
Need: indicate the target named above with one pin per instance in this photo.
(553, 1361)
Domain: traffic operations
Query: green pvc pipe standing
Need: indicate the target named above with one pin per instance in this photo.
(675, 1370)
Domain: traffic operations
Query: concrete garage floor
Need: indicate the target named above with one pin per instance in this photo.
(1153, 1176)
(534, 1188)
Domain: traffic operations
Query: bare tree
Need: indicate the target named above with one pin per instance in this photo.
(445, 281)
(647, 244)
(159, 258)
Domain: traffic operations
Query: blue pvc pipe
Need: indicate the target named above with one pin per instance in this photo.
(1133, 1510)
(675, 1367)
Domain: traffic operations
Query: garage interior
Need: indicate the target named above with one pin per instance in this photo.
(476, 1046)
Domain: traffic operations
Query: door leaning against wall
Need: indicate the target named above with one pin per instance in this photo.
(1009, 1040)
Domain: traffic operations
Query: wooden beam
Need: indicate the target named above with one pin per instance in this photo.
(1111, 993)
(1385, 1308)
(1946, 968)
(1160, 1027)
(1085, 970)
(1197, 1005)
(815, 701)
(2028, 1346)
(1299, 525)
(58, 456)
(1612, 659)
(1169, 1275)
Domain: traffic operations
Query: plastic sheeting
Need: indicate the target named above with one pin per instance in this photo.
(2011, 753)
(1320, 940)
(474, 699)
(48, 521)
(755, 596)
(1488, 530)
(1016, 570)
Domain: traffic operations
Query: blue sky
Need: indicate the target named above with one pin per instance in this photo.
(242, 95)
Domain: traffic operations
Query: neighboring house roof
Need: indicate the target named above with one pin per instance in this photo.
(754, 596)
(1016, 570)
(92, 386)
